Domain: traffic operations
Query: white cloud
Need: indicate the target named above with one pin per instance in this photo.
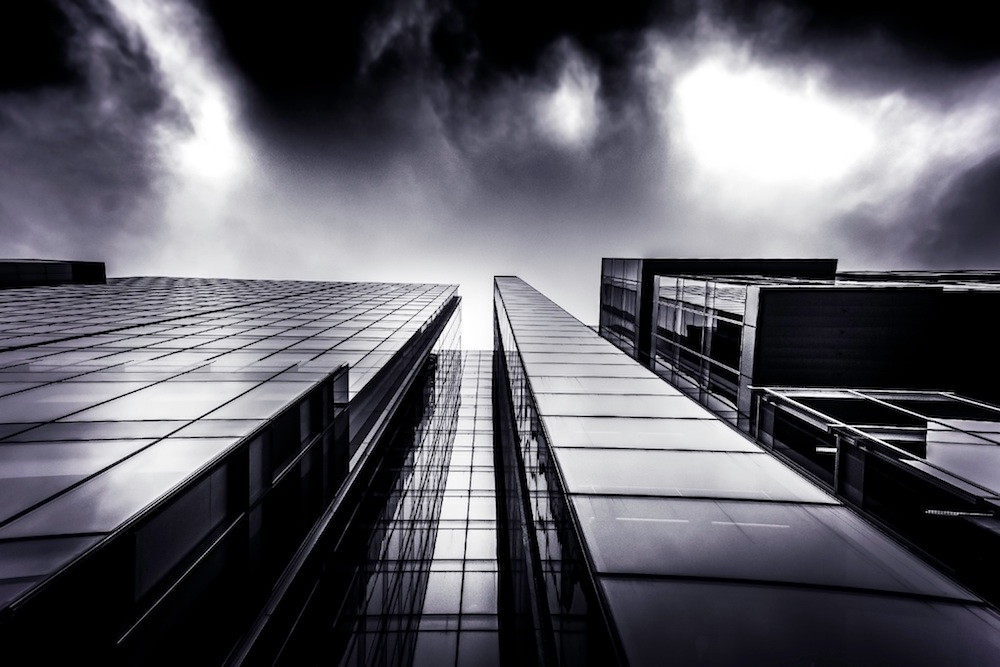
(766, 157)
(569, 113)
(743, 121)
(211, 148)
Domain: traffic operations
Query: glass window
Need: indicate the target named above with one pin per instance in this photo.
(773, 542)
(450, 544)
(30, 473)
(979, 463)
(478, 648)
(173, 399)
(629, 370)
(31, 558)
(612, 357)
(262, 401)
(652, 433)
(481, 544)
(173, 532)
(8, 431)
(116, 430)
(724, 624)
(218, 427)
(105, 501)
(435, 649)
(595, 385)
(444, 593)
(677, 407)
(755, 476)
(59, 399)
(479, 593)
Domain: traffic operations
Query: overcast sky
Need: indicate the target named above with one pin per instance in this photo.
(449, 141)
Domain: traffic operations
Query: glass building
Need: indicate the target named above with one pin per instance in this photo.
(275, 472)
(716, 327)
(878, 385)
(926, 465)
(655, 533)
(171, 449)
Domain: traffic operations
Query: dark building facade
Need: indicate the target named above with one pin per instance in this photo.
(653, 532)
(277, 472)
(925, 465)
(857, 378)
(35, 272)
(172, 449)
(715, 327)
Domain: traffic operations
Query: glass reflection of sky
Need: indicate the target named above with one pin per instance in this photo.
(679, 524)
(104, 389)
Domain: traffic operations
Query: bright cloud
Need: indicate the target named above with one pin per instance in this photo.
(209, 148)
(569, 114)
(776, 159)
(745, 122)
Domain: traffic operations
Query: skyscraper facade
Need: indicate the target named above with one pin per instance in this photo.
(277, 472)
(654, 532)
(168, 445)
(717, 327)
(876, 384)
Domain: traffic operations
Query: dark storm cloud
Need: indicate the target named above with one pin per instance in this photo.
(964, 226)
(316, 58)
(375, 83)
(364, 85)
(311, 51)
(77, 114)
(957, 32)
(512, 125)
(871, 46)
(33, 46)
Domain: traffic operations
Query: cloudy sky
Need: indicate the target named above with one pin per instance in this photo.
(448, 141)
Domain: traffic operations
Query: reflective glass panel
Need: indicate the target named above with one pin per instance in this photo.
(687, 473)
(774, 542)
(653, 433)
(688, 623)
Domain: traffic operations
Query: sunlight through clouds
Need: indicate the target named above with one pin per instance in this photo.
(749, 123)
(207, 148)
(779, 160)
(569, 114)
(209, 160)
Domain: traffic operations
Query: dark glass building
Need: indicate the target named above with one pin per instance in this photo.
(925, 465)
(876, 384)
(652, 532)
(717, 327)
(172, 451)
(34, 272)
(276, 472)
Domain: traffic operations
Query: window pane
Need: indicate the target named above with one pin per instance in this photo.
(101, 504)
(653, 433)
(679, 407)
(822, 545)
(691, 474)
(721, 624)
(167, 400)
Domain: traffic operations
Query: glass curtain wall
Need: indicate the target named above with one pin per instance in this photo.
(166, 444)
(924, 464)
(648, 496)
(698, 339)
(620, 294)
(426, 592)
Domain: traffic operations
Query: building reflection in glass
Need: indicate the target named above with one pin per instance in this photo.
(703, 549)
(926, 465)
(414, 579)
